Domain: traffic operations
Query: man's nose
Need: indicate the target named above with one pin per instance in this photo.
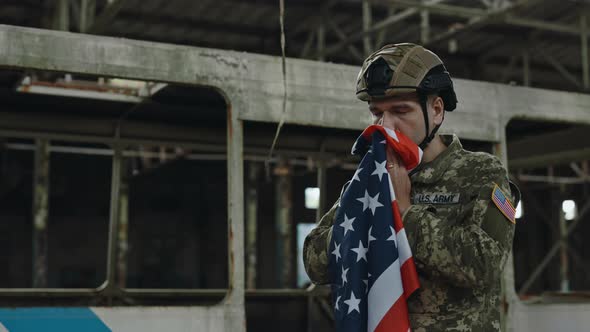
(388, 120)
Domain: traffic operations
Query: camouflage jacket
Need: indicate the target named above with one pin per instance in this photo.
(460, 241)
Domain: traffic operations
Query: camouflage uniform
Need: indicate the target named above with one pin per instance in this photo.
(459, 239)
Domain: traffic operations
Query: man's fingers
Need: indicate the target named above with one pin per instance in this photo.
(389, 153)
(394, 159)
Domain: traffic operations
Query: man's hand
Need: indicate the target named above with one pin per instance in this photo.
(400, 180)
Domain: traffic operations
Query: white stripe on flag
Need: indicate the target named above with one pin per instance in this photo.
(3, 328)
(391, 133)
(386, 290)
(403, 247)
(420, 154)
(391, 191)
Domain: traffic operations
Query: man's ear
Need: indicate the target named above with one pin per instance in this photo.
(438, 106)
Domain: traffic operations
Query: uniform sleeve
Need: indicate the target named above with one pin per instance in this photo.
(470, 252)
(315, 248)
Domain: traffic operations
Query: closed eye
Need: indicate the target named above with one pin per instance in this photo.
(401, 109)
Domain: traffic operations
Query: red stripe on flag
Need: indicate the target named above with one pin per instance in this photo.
(367, 133)
(396, 318)
(408, 268)
(397, 220)
(409, 277)
(407, 150)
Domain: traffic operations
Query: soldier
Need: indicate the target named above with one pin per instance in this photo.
(455, 206)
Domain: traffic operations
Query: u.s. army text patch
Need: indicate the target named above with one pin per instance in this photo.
(436, 198)
(503, 204)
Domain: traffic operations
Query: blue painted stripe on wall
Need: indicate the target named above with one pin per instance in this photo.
(51, 319)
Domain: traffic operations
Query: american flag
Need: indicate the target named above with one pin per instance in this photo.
(370, 261)
(503, 204)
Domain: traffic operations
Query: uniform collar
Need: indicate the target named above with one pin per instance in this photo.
(431, 171)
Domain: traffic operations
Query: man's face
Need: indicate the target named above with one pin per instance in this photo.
(401, 113)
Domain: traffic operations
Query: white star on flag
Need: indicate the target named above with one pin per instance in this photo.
(356, 175)
(336, 251)
(336, 305)
(370, 202)
(392, 134)
(354, 148)
(364, 200)
(371, 237)
(353, 303)
(347, 224)
(344, 278)
(374, 203)
(380, 169)
(361, 252)
(392, 236)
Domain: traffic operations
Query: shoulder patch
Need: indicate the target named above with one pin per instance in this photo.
(503, 204)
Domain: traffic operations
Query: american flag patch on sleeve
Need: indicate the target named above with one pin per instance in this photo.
(503, 204)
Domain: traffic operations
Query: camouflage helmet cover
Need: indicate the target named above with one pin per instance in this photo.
(402, 68)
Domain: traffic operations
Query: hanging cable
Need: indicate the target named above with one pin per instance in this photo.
(284, 70)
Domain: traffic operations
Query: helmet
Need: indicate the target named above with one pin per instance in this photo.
(402, 68)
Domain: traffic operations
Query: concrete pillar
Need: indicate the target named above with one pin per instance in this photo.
(40, 213)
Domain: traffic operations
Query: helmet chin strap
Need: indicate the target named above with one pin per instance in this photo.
(423, 98)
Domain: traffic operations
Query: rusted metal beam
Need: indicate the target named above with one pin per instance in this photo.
(252, 225)
(563, 259)
(321, 183)
(123, 227)
(284, 225)
(113, 220)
